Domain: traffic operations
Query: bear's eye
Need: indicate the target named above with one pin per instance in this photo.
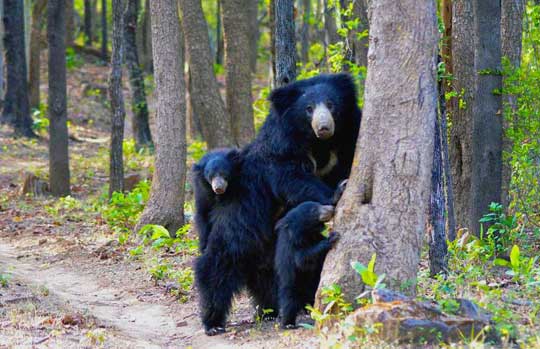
(309, 109)
(330, 105)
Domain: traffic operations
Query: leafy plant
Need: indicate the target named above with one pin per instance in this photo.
(503, 229)
(519, 266)
(368, 275)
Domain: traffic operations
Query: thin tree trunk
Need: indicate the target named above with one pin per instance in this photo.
(193, 124)
(1, 55)
(139, 106)
(219, 35)
(487, 110)
(511, 34)
(285, 43)
(238, 79)
(204, 94)
(330, 28)
(70, 23)
(306, 5)
(383, 209)
(446, 14)
(166, 203)
(462, 112)
(361, 45)
(58, 131)
(253, 11)
(16, 105)
(104, 39)
(88, 30)
(144, 40)
(35, 50)
(272, 30)
(116, 163)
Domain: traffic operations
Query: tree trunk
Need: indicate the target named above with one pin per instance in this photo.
(35, 50)
(104, 39)
(193, 123)
(1, 55)
(144, 40)
(116, 163)
(330, 28)
(253, 12)
(285, 43)
(361, 45)
(219, 34)
(88, 32)
(272, 31)
(461, 106)
(139, 106)
(166, 203)
(446, 49)
(16, 105)
(511, 33)
(238, 79)
(70, 23)
(306, 5)
(383, 209)
(58, 131)
(487, 110)
(204, 93)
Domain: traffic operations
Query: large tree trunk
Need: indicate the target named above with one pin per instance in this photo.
(1, 55)
(205, 98)
(253, 11)
(88, 30)
(58, 142)
(304, 33)
(446, 49)
(144, 39)
(272, 30)
(383, 209)
(104, 40)
(166, 203)
(139, 106)
(35, 50)
(487, 110)
(219, 35)
(238, 79)
(361, 45)
(511, 33)
(16, 105)
(462, 112)
(70, 22)
(116, 163)
(285, 43)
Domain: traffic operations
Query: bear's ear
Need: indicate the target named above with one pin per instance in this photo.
(284, 97)
(344, 83)
(233, 155)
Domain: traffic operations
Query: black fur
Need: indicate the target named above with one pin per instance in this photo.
(299, 258)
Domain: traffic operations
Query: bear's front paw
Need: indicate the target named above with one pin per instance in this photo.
(340, 190)
(333, 237)
(214, 331)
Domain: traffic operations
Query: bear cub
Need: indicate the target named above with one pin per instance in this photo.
(300, 253)
(211, 177)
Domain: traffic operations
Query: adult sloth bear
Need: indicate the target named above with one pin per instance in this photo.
(311, 129)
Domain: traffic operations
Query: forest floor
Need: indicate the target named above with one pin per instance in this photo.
(65, 281)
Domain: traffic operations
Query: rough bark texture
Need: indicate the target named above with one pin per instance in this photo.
(205, 98)
(511, 33)
(88, 32)
(272, 30)
(330, 27)
(104, 39)
(144, 39)
(383, 209)
(35, 49)
(70, 22)
(253, 11)
(238, 79)
(361, 45)
(58, 142)
(285, 43)
(219, 35)
(304, 33)
(487, 110)
(166, 203)
(462, 112)
(16, 105)
(116, 162)
(446, 49)
(438, 262)
(1, 55)
(139, 106)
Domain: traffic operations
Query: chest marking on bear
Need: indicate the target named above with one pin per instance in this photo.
(332, 162)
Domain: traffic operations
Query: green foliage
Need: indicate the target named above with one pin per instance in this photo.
(503, 229)
(196, 150)
(41, 122)
(335, 305)
(123, 210)
(73, 60)
(520, 267)
(368, 275)
(4, 280)
(159, 237)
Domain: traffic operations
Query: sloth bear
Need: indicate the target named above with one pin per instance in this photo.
(300, 253)
(303, 150)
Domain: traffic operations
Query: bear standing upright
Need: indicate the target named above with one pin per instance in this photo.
(310, 123)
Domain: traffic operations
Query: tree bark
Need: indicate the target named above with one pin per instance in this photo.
(330, 27)
(1, 55)
(88, 30)
(361, 45)
(383, 209)
(35, 50)
(238, 79)
(70, 23)
(166, 203)
(204, 94)
(487, 110)
(272, 30)
(116, 162)
(139, 105)
(219, 35)
(16, 104)
(144, 40)
(253, 11)
(446, 49)
(304, 34)
(58, 131)
(462, 111)
(104, 40)
(285, 43)
(511, 34)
